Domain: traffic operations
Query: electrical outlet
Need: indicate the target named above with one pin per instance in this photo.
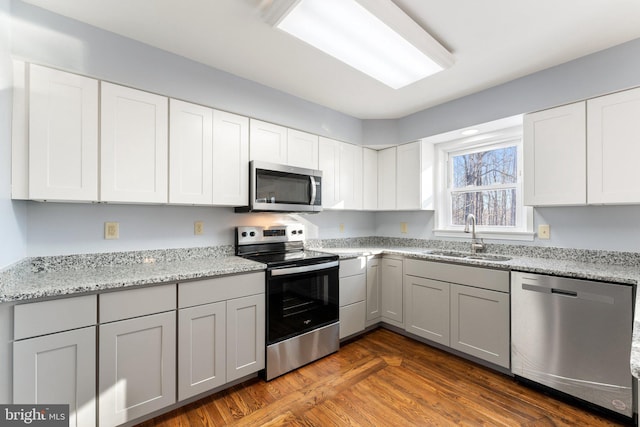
(341, 228)
(111, 230)
(403, 227)
(198, 228)
(544, 231)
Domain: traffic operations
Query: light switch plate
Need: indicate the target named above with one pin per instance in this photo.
(544, 231)
(198, 228)
(403, 227)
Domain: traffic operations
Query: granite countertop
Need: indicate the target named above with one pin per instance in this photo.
(66, 275)
(607, 272)
(22, 283)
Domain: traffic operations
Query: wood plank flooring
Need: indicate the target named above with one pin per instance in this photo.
(383, 379)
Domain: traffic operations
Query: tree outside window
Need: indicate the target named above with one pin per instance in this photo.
(485, 183)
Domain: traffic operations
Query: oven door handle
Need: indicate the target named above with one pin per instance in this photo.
(304, 268)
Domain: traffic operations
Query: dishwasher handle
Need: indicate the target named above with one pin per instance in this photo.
(545, 290)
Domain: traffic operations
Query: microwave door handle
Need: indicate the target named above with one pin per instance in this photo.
(312, 182)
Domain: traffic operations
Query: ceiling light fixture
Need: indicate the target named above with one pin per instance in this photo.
(373, 36)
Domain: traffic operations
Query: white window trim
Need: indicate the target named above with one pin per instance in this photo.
(442, 208)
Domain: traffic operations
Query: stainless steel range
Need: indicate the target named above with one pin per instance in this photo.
(302, 290)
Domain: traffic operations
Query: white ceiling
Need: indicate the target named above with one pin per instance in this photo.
(493, 41)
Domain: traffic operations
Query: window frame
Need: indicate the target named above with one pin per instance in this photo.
(444, 175)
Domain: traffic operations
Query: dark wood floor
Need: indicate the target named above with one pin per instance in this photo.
(383, 379)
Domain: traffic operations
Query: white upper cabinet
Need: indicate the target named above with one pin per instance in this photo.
(134, 145)
(63, 136)
(369, 179)
(555, 165)
(341, 166)
(414, 174)
(387, 179)
(268, 142)
(190, 153)
(613, 148)
(230, 159)
(302, 149)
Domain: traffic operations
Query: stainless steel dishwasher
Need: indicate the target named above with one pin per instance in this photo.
(574, 336)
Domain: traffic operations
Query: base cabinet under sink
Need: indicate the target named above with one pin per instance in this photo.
(472, 317)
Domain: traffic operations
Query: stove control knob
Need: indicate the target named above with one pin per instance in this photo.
(299, 231)
(244, 234)
(252, 234)
(294, 232)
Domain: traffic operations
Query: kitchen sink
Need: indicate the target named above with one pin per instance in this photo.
(465, 255)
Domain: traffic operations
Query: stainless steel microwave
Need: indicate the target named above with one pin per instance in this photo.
(281, 188)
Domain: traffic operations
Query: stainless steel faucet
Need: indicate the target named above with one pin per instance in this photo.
(476, 244)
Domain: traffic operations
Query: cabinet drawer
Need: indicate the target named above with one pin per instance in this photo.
(352, 319)
(137, 302)
(353, 289)
(351, 267)
(220, 289)
(496, 280)
(46, 317)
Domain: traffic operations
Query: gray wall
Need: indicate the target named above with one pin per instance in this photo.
(53, 40)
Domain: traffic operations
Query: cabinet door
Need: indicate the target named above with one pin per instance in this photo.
(302, 149)
(427, 308)
(230, 159)
(391, 281)
(63, 136)
(408, 185)
(612, 148)
(134, 145)
(137, 369)
(387, 179)
(374, 309)
(268, 142)
(352, 319)
(350, 176)
(369, 179)
(480, 323)
(58, 369)
(190, 153)
(329, 163)
(245, 336)
(201, 349)
(555, 156)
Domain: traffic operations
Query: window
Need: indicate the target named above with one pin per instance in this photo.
(482, 176)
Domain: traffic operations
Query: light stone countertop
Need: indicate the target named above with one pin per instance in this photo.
(67, 275)
(558, 267)
(21, 284)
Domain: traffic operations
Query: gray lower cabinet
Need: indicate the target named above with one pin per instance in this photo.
(352, 296)
(137, 353)
(427, 308)
(374, 296)
(392, 291)
(54, 356)
(202, 361)
(480, 323)
(245, 335)
(58, 369)
(462, 307)
(221, 331)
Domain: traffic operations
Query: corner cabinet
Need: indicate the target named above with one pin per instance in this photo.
(462, 307)
(374, 291)
(54, 356)
(612, 148)
(555, 158)
(369, 179)
(134, 145)
(392, 291)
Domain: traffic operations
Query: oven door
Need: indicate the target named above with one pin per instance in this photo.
(301, 299)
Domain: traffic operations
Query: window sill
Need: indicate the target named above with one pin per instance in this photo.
(527, 236)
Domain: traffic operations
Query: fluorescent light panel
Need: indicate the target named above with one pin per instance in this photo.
(350, 32)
